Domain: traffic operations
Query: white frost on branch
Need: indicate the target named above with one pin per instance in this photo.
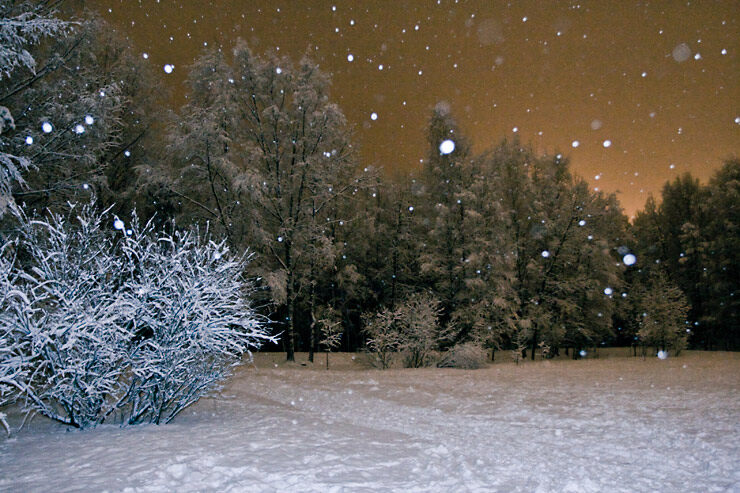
(19, 32)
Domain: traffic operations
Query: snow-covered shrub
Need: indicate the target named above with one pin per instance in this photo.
(412, 328)
(126, 321)
(384, 336)
(13, 346)
(188, 319)
(468, 356)
(73, 326)
(420, 330)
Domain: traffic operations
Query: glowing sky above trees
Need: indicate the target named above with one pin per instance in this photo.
(635, 93)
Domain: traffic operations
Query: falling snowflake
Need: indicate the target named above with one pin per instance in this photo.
(629, 259)
(681, 52)
(447, 147)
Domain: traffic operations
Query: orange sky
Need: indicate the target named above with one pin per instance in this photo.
(657, 79)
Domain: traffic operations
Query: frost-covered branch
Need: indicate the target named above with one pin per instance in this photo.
(20, 31)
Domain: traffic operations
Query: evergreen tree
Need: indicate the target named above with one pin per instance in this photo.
(443, 221)
(661, 313)
(720, 254)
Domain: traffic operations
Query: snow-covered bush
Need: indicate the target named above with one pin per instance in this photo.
(411, 328)
(72, 325)
(467, 356)
(188, 319)
(384, 336)
(420, 330)
(121, 322)
(13, 304)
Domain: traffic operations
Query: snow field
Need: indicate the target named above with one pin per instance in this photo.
(577, 426)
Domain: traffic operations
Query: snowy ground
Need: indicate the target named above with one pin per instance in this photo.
(614, 424)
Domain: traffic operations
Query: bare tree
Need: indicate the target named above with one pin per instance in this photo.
(331, 331)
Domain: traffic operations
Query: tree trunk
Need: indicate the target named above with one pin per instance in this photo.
(534, 343)
(290, 342)
(290, 301)
(312, 309)
(313, 342)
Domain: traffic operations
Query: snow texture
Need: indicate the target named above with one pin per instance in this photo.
(618, 425)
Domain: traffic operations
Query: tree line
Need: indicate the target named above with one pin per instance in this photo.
(508, 248)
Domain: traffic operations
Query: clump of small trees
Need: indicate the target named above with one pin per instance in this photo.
(104, 321)
(411, 329)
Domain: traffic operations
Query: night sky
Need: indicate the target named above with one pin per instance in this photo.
(635, 93)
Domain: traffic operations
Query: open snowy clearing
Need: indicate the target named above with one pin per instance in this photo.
(613, 424)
